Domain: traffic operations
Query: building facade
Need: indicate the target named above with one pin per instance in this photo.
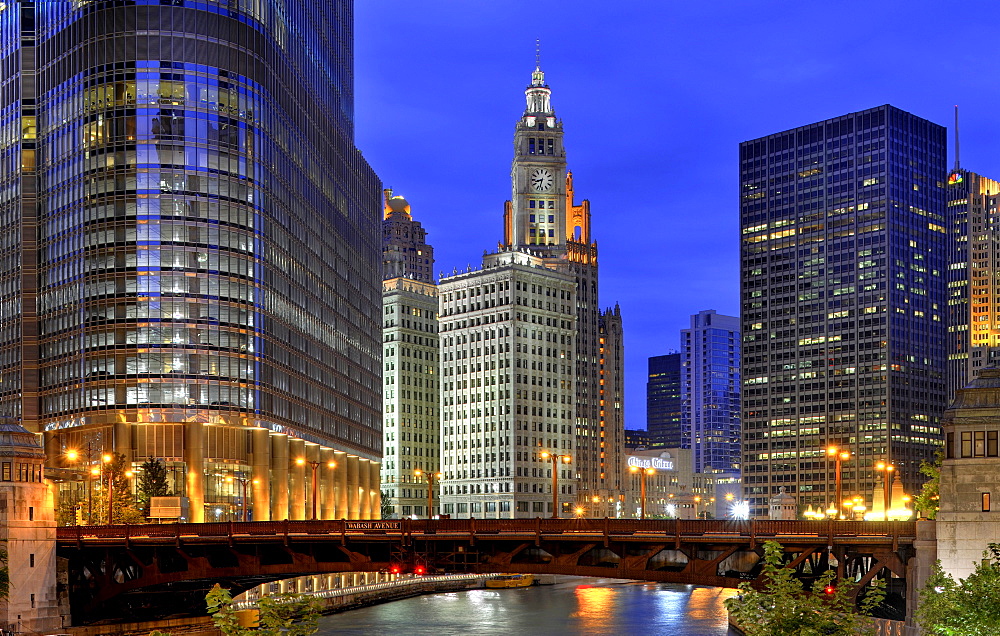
(198, 270)
(542, 216)
(974, 264)
(410, 374)
(710, 392)
(663, 400)
(507, 387)
(843, 258)
(549, 260)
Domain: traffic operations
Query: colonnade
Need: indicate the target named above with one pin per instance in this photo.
(281, 471)
(282, 486)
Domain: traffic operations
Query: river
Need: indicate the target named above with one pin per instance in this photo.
(574, 605)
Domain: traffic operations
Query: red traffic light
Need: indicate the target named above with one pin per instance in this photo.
(419, 569)
(829, 589)
(395, 569)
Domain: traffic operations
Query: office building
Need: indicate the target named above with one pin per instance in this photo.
(974, 265)
(569, 399)
(507, 338)
(410, 374)
(192, 249)
(663, 400)
(710, 392)
(843, 256)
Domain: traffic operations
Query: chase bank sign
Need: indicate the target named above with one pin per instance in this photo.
(657, 463)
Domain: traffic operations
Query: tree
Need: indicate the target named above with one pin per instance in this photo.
(387, 506)
(279, 615)
(928, 501)
(783, 608)
(124, 508)
(969, 607)
(152, 482)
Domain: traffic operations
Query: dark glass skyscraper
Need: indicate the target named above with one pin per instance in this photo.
(843, 259)
(192, 247)
(663, 400)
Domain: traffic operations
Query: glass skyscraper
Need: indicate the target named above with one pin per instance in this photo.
(191, 247)
(710, 392)
(663, 400)
(843, 259)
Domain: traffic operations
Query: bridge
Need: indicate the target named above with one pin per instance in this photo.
(154, 571)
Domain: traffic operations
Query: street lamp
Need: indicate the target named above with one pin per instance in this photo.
(430, 477)
(107, 458)
(243, 482)
(301, 461)
(839, 456)
(554, 458)
(886, 470)
(642, 487)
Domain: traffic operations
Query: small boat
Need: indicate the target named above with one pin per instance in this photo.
(510, 580)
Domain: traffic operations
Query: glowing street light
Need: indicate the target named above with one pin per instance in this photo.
(642, 487)
(430, 477)
(886, 470)
(839, 457)
(555, 459)
(302, 461)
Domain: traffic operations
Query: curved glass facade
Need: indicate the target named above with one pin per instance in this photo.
(209, 243)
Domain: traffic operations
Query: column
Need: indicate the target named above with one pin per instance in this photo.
(260, 461)
(123, 441)
(364, 489)
(375, 483)
(194, 457)
(279, 477)
(340, 479)
(353, 505)
(312, 472)
(297, 505)
(327, 487)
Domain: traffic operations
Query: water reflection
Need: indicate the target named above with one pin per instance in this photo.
(572, 606)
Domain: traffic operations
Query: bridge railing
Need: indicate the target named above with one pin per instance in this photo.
(761, 529)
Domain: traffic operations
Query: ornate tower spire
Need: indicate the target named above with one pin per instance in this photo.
(538, 93)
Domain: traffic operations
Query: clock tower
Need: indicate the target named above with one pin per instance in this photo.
(541, 214)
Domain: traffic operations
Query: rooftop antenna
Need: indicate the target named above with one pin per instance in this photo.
(956, 138)
(538, 54)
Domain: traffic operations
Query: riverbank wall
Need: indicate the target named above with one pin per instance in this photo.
(333, 601)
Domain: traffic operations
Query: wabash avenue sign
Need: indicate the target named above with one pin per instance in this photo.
(373, 525)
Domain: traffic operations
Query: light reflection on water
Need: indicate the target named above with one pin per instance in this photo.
(572, 606)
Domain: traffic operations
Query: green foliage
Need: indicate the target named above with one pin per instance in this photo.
(783, 608)
(280, 614)
(125, 510)
(969, 607)
(159, 633)
(387, 504)
(928, 500)
(152, 482)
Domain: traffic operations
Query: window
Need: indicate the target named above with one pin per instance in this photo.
(522, 506)
(967, 444)
(31, 560)
(537, 506)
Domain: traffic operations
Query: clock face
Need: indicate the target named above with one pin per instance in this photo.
(541, 180)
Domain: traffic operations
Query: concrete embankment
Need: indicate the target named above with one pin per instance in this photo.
(333, 601)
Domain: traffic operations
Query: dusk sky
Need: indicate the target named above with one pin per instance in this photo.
(655, 97)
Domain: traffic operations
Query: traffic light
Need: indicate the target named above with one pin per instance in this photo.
(419, 570)
(395, 568)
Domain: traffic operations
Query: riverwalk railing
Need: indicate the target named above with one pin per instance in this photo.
(369, 588)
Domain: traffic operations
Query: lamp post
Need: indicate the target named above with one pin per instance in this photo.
(243, 482)
(554, 458)
(430, 477)
(642, 487)
(839, 456)
(107, 458)
(886, 469)
(302, 461)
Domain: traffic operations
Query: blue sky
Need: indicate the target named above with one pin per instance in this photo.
(655, 96)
